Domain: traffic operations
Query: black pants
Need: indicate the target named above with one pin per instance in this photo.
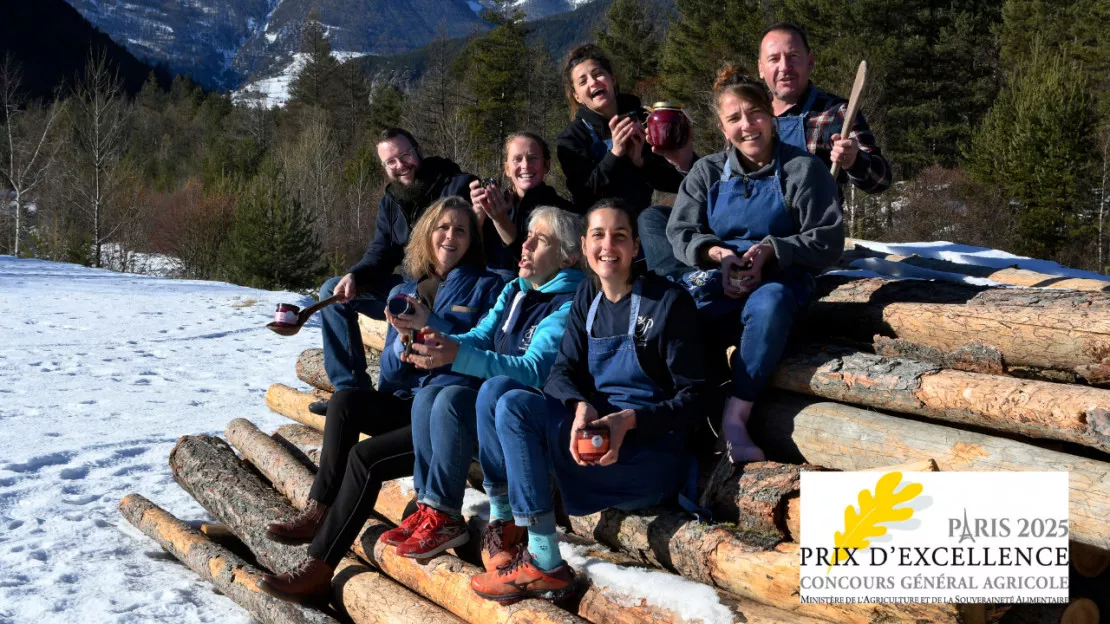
(352, 472)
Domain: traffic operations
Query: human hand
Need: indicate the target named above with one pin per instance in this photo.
(731, 265)
(844, 151)
(346, 288)
(623, 131)
(681, 157)
(434, 351)
(413, 321)
(584, 414)
(619, 423)
(753, 261)
(497, 207)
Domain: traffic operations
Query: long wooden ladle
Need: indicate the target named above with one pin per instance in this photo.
(302, 317)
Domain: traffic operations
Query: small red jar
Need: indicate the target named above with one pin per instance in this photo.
(286, 314)
(668, 127)
(592, 443)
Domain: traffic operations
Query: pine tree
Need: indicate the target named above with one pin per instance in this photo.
(707, 34)
(1037, 144)
(385, 108)
(272, 244)
(490, 66)
(317, 83)
(631, 39)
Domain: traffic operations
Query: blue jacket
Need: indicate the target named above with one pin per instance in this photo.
(462, 299)
(520, 339)
(396, 218)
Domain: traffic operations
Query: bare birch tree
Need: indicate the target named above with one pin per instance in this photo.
(29, 148)
(98, 175)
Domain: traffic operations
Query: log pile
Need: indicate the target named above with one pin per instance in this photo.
(911, 375)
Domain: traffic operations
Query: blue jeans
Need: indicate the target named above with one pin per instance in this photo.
(762, 328)
(444, 437)
(658, 250)
(524, 438)
(344, 358)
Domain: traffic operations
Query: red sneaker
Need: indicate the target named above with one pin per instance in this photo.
(397, 536)
(436, 533)
(500, 541)
(522, 579)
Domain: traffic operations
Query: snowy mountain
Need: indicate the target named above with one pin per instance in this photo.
(222, 43)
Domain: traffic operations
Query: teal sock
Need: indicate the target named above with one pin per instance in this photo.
(544, 549)
(499, 508)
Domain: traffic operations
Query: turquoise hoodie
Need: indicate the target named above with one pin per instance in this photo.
(477, 355)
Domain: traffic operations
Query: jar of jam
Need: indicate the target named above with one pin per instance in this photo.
(592, 443)
(286, 314)
(668, 125)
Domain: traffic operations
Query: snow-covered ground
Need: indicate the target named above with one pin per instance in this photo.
(100, 373)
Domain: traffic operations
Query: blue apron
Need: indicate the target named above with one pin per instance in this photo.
(643, 475)
(598, 147)
(792, 128)
(742, 212)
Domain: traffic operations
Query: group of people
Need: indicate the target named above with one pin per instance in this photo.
(605, 320)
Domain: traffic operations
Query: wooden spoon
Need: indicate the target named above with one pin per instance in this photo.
(302, 317)
(853, 108)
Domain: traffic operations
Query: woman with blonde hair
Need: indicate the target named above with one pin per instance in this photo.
(447, 288)
(758, 220)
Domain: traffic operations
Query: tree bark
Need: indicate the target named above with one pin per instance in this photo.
(287, 474)
(1036, 409)
(373, 332)
(1063, 330)
(310, 369)
(232, 576)
(208, 469)
(794, 429)
(716, 556)
(293, 404)
(369, 597)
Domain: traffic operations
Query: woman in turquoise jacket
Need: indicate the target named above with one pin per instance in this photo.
(517, 340)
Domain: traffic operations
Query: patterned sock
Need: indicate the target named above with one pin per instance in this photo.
(499, 508)
(543, 545)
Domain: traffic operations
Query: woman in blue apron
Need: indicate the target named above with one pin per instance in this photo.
(759, 220)
(450, 290)
(630, 361)
(518, 339)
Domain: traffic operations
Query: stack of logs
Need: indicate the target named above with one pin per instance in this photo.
(918, 375)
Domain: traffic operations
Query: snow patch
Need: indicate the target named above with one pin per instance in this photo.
(102, 372)
(693, 601)
(274, 91)
(979, 256)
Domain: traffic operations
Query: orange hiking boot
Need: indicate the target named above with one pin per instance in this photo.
(397, 536)
(520, 578)
(436, 533)
(500, 541)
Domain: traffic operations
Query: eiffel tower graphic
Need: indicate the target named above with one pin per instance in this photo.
(966, 535)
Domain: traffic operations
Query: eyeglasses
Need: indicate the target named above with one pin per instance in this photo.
(408, 156)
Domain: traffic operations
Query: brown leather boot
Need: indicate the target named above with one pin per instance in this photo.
(301, 528)
(309, 583)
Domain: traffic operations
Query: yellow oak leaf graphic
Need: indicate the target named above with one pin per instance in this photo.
(874, 509)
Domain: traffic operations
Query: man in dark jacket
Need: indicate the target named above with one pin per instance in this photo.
(415, 182)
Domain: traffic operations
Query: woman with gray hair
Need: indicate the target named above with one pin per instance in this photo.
(518, 339)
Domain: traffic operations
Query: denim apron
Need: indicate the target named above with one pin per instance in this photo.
(599, 147)
(643, 475)
(742, 212)
(792, 128)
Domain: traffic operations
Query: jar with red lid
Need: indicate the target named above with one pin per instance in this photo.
(286, 314)
(668, 126)
(592, 443)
